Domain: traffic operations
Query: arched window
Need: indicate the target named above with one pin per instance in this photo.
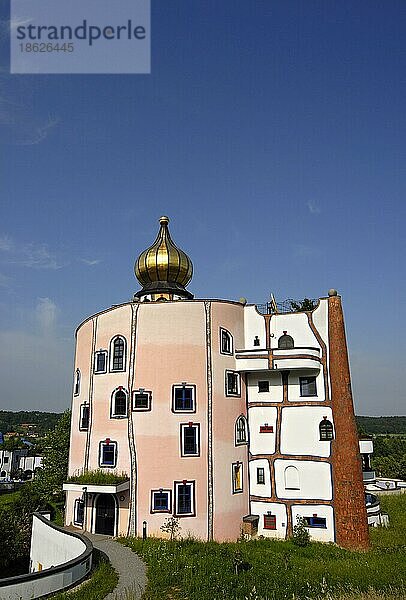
(119, 403)
(326, 430)
(76, 389)
(226, 341)
(292, 478)
(117, 354)
(241, 430)
(285, 342)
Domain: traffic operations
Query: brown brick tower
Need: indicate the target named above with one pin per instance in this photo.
(349, 498)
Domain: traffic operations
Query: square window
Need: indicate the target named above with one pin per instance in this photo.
(260, 475)
(142, 400)
(190, 439)
(232, 383)
(161, 501)
(183, 398)
(226, 342)
(237, 477)
(84, 417)
(79, 512)
(108, 454)
(184, 498)
(100, 363)
(308, 386)
(263, 386)
(270, 522)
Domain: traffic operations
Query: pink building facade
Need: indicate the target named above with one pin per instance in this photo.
(215, 412)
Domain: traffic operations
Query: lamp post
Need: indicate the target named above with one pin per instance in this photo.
(84, 507)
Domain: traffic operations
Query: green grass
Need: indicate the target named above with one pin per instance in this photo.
(103, 581)
(192, 570)
(7, 499)
(98, 477)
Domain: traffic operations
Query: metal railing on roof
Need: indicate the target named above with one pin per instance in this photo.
(287, 306)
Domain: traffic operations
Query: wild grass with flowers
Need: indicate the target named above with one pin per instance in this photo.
(277, 570)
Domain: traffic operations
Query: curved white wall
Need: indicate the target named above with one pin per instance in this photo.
(59, 560)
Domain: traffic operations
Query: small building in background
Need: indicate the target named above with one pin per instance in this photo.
(16, 464)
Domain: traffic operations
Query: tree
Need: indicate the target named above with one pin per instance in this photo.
(15, 527)
(301, 536)
(54, 470)
(302, 305)
(172, 527)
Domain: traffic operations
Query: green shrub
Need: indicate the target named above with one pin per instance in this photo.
(301, 536)
(98, 477)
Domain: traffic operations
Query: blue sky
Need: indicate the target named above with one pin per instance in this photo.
(273, 135)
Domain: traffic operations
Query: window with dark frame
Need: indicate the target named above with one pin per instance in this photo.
(119, 408)
(161, 501)
(226, 342)
(190, 439)
(101, 361)
(263, 386)
(232, 383)
(108, 454)
(79, 512)
(184, 503)
(141, 400)
(326, 430)
(84, 417)
(76, 390)
(316, 522)
(237, 477)
(241, 436)
(260, 475)
(184, 398)
(118, 354)
(308, 386)
(270, 522)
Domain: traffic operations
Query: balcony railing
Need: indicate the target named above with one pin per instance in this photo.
(287, 306)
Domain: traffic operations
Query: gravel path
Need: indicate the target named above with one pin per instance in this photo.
(130, 568)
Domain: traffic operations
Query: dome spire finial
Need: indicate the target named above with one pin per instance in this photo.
(163, 269)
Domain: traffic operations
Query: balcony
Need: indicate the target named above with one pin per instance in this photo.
(94, 488)
(252, 360)
(296, 358)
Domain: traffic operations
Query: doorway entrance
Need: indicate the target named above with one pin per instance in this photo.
(105, 514)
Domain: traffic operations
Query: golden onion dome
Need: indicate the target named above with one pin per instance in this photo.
(163, 267)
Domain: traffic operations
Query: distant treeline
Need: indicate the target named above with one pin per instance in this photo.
(374, 425)
(12, 421)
